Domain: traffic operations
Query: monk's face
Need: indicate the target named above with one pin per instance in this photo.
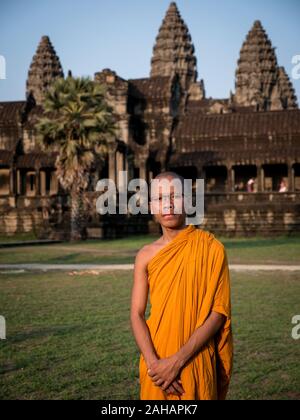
(163, 204)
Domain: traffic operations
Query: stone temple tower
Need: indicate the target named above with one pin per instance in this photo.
(283, 95)
(260, 82)
(175, 53)
(44, 69)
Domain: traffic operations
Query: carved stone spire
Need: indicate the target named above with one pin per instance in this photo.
(44, 69)
(283, 95)
(174, 51)
(257, 71)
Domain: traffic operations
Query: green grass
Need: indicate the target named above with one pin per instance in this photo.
(29, 236)
(282, 250)
(69, 337)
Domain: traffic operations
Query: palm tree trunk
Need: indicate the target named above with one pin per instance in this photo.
(77, 214)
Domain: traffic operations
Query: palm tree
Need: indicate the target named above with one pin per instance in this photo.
(76, 124)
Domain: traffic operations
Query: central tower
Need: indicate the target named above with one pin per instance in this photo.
(174, 51)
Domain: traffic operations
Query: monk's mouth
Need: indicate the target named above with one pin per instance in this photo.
(168, 215)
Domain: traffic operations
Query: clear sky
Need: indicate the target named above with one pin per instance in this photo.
(90, 35)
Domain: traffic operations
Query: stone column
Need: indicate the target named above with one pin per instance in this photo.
(129, 165)
(291, 177)
(200, 172)
(54, 186)
(37, 182)
(260, 178)
(230, 178)
(43, 183)
(13, 182)
(143, 166)
(199, 175)
(18, 182)
(232, 174)
(120, 165)
(112, 148)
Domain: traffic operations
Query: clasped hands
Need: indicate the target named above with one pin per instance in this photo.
(165, 374)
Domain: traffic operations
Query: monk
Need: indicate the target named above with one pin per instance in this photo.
(186, 343)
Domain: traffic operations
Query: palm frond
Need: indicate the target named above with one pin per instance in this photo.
(77, 123)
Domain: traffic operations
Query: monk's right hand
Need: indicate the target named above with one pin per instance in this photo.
(175, 388)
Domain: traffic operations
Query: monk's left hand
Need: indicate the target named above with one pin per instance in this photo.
(164, 371)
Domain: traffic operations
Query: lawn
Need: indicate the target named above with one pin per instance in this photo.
(69, 337)
(281, 250)
(29, 236)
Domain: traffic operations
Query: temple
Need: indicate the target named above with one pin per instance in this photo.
(246, 146)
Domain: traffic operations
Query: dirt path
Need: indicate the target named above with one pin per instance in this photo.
(110, 267)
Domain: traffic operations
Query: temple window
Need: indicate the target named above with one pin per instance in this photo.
(275, 176)
(49, 182)
(245, 178)
(215, 178)
(30, 183)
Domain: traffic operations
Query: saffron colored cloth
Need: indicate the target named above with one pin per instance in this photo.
(188, 279)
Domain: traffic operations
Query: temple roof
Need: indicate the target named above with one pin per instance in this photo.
(285, 90)
(35, 114)
(10, 112)
(259, 80)
(240, 157)
(32, 160)
(150, 88)
(204, 106)
(174, 51)
(198, 126)
(44, 69)
(6, 157)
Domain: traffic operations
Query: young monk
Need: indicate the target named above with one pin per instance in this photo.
(186, 343)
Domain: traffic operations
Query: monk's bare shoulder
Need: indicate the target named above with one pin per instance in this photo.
(147, 252)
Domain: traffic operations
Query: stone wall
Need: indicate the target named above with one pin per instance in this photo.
(267, 214)
(263, 214)
(46, 217)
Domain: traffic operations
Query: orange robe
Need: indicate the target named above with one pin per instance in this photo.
(188, 279)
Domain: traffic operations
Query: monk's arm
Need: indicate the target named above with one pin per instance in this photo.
(139, 326)
(200, 338)
(215, 320)
(165, 370)
(139, 299)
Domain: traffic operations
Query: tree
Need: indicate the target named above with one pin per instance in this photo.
(76, 125)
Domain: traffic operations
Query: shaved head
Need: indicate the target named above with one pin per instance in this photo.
(168, 175)
(168, 212)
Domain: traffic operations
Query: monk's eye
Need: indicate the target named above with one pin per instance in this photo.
(168, 197)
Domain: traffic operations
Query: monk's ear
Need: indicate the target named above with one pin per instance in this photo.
(154, 207)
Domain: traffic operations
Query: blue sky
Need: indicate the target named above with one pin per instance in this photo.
(119, 34)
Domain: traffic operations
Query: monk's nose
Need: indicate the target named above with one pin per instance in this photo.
(170, 207)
